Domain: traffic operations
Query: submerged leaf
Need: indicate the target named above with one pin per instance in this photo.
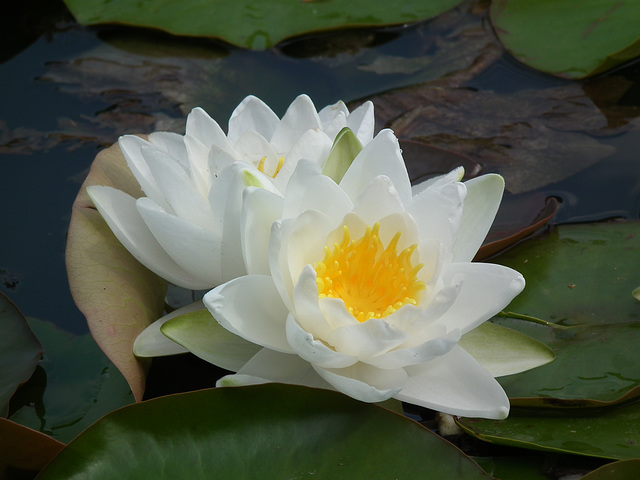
(19, 351)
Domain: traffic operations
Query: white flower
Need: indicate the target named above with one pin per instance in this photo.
(186, 227)
(369, 285)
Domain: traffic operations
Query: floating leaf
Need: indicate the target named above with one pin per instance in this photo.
(569, 38)
(266, 431)
(118, 296)
(19, 351)
(253, 23)
(78, 385)
(622, 470)
(613, 434)
(23, 449)
(579, 276)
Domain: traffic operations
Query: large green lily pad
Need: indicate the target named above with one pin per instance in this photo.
(19, 351)
(254, 24)
(262, 431)
(613, 434)
(580, 277)
(569, 38)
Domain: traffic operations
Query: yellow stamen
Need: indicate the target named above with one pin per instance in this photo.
(278, 167)
(373, 281)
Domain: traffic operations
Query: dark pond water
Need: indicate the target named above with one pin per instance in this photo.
(68, 91)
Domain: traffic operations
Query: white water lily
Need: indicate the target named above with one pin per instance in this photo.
(368, 286)
(186, 227)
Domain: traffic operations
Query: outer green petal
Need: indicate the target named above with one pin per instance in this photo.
(503, 351)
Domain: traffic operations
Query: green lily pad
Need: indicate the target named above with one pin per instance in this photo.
(580, 277)
(622, 470)
(262, 431)
(79, 385)
(612, 435)
(19, 351)
(118, 295)
(569, 38)
(254, 24)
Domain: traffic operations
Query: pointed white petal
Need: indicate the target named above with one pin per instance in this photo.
(119, 211)
(485, 290)
(282, 368)
(454, 175)
(194, 248)
(381, 156)
(438, 211)
(456, 384)
(480, 207)
(315, 351)
(251, 114)
(260, 209)
(362, 122)
(308, 189)
(299, 117)
(378, 200)
(250, 307)
(178, 190)
(205, 129)
(367, 339)
(131, 146)
(329, 113)
(365, 383)
(172, 144)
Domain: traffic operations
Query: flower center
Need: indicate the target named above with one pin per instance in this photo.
(373, 281)
(278, 167)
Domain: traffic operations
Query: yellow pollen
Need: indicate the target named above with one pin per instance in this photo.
(373, 281)
(278, 167)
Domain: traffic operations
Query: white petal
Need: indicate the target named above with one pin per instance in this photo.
(226, 208)
(365, 383)
(378, 200)
(252, 147)
(260, 208)
(119, 211)
(315, 351)
(178, 190)
(283, 368)
(130, 146)
(308, 189)
(294, 244)
(172, 144)
(205, 129)
(367, 339)
(194, 248)
(299, 117)
(454, 175)
(251, 307)
(428, 350)
(152, 343)
(485, 290)
(251, 114)
(313, 145)
(480, 207)
(456, 384)
(329, 113)
(381, 156)
(362, 122)
(438, 212)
